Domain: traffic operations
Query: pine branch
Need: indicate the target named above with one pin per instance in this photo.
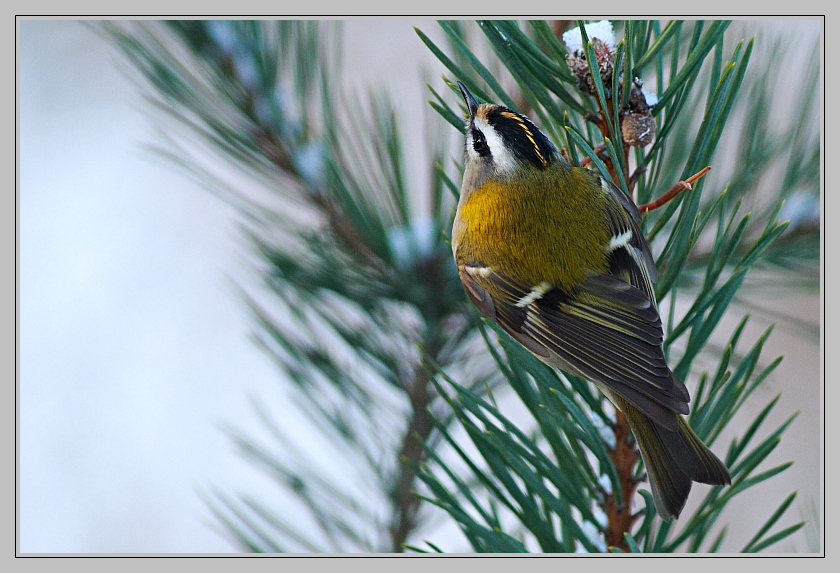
(355, 281)
(609, 113)
(625, 456)
(412, 454)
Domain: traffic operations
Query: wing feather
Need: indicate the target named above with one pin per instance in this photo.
(608, 331)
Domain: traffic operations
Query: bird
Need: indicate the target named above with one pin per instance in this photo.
(554, 254)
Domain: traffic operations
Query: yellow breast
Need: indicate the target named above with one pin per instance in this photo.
(544, 226)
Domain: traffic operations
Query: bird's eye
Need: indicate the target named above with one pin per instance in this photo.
(480, 143)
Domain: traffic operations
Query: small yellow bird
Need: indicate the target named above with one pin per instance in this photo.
(553, 253)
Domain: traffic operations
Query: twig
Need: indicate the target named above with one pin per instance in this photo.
(624, 457)
(599, 149)
(673, 191)
(406, 502)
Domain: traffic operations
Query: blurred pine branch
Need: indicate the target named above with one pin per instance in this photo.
(360, 294)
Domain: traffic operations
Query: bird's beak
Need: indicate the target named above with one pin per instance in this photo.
(471, 102)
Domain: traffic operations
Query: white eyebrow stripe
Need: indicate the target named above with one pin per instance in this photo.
(619, 241)
(536, 293)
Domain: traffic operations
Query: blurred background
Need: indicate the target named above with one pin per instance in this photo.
(134, 343)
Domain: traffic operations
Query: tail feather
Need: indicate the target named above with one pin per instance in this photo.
(692, 455)
(673, 461)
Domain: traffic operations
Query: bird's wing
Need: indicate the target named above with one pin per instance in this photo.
(607, 331)
(629, 255)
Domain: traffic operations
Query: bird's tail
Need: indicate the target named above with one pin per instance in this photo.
(673, 460)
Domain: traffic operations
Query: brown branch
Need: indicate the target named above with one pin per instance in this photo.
(625, 456)
(598, 149)
(419, 429)
(674, 191)
(560, 26)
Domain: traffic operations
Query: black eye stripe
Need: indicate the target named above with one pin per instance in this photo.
(480, 143)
